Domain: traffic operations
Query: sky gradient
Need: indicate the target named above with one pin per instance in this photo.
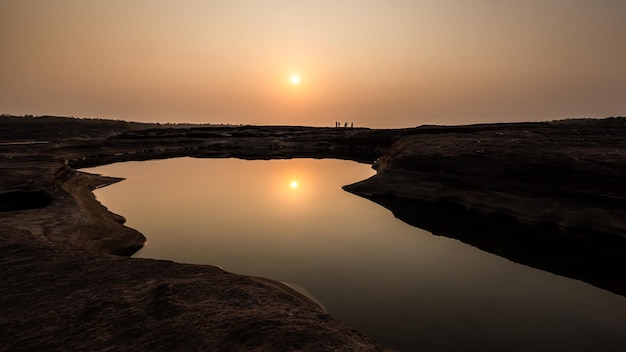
(375, 63)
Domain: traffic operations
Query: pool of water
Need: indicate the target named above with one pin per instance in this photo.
(289, 220)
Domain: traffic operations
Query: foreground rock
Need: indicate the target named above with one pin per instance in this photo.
(548, 195)
(55, 203)
(54, 297)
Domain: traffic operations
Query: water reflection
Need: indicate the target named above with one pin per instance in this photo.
(401, 285)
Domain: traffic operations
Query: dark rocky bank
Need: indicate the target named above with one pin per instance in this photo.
(548, 195)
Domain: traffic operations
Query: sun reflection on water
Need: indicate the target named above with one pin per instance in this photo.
(365, 265)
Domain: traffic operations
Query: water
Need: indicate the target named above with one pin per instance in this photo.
(289, 220)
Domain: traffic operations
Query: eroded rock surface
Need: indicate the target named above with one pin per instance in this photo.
(62, 289)
(549, 195)
(57, 298)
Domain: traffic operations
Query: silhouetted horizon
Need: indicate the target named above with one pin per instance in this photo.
(379, 64)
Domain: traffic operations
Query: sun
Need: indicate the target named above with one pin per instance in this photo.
(294, 184)
(294, 79)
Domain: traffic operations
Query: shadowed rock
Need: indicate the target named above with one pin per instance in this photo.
(548, 195)
(21, 200)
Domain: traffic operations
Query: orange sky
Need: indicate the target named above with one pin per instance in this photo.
(375, 63)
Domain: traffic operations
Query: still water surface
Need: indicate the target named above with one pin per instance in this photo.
(289, 220)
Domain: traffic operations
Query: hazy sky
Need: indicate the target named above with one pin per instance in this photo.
(379, 63)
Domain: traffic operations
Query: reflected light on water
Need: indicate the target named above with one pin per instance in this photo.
(290, 221)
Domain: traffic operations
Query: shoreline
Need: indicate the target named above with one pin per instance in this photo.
(74, 279)
(62, 239)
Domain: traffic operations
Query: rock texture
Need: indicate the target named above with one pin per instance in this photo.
(549, 195)
(58, 298)
(63, 288)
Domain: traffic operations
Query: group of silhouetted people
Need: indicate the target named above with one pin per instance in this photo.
(338, 124)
